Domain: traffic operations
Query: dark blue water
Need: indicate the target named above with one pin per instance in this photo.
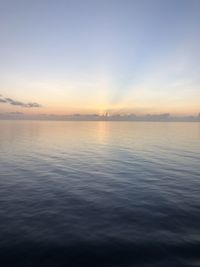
(99, 194)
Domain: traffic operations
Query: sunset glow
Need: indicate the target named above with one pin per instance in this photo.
(142, 57)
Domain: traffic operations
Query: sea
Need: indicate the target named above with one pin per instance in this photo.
(99, 194)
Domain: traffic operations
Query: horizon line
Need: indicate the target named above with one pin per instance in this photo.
(96, 117)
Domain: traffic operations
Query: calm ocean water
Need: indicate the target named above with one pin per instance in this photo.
(99, 194)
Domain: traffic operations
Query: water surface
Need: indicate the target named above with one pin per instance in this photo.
(99, 194)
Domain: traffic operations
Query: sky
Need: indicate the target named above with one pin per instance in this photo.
(97, 56)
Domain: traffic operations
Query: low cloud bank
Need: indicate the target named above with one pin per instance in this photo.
(95, 117)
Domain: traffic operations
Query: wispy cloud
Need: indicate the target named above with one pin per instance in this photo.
(14, 102)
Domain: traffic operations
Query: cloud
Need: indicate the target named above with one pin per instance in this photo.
(19, 103)
(3, 100)
(14, 113)
(166, 117)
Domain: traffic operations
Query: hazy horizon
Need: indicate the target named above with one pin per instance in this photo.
(165, 117)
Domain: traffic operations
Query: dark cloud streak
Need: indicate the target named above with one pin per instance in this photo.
(18, 103)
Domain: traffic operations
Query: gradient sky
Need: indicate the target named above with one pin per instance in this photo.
(82, 56)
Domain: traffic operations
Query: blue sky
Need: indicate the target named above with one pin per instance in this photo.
(97, 55)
